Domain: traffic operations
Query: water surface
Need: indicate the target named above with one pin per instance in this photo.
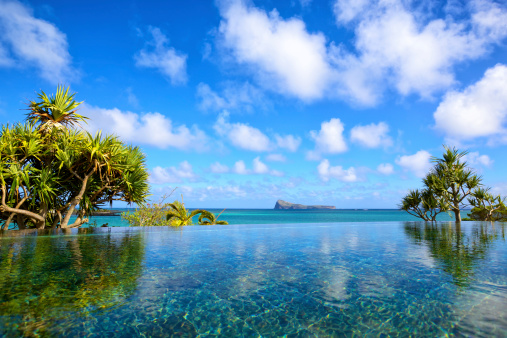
(335, 279)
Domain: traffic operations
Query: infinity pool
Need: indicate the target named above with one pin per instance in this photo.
(298, 280)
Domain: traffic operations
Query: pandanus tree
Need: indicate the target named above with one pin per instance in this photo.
(448, 186)
(48, 174)
(487, 206)
(55, 111)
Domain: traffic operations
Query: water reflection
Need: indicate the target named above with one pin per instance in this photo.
(46, 280)
(459, 252)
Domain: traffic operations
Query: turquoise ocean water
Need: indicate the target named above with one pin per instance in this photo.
(270, 216)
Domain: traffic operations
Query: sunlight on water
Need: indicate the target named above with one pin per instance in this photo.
(338, 279)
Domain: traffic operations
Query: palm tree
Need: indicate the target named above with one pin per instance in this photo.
(55, 111)
(209, 218)
(179, 215)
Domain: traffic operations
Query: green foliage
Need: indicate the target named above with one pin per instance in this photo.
(148, 214)
(448, 187)
(46, 173)
(208, 218)
(487, 207)
(169, 214)
(178, 215)
(55, 111)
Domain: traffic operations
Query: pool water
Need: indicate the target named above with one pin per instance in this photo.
(298, 280)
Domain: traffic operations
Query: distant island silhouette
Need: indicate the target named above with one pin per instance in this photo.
(283, 205)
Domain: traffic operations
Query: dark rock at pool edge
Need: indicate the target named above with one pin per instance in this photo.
(292, 206)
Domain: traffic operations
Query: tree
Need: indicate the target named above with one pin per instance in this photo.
(447, 187)
(56, 111)
(178, 215)
(208, 218)
(487, 207)
(48, 174)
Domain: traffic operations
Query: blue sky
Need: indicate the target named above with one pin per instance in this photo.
(241, 103)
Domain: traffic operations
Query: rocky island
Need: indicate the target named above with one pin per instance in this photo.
(283, 205)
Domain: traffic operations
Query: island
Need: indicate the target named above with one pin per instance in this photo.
(283, 205)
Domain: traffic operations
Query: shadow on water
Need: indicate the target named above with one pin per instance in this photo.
(459, 252)
(47, 277)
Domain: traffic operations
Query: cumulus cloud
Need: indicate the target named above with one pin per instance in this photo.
(284, 56)
(29, 41)
(480, 110)
(177, 174)
(329, 139)
(152, 129)
(385, 169)
(397, 44)
(326, 172)
(167, 60)
(372, 135)
(418, 163)
(406, 48)
(233, 96)
(258, 168)
(242, 135)
(474, 158)
(289, 142)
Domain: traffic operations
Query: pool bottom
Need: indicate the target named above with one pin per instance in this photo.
(395, 279)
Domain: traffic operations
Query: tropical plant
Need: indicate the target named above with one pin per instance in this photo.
(208, 218)
(447, 187)
(55, 111)
(178, 215)
(149, 214)
(487, 207)
(47, 175)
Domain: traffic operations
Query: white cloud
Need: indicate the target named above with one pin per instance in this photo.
(240, 168)
(372, 135)
(385, 169)
(26, 40)
(326, 171)
(259, 168)
(283, 55)
(276, 158)
(161, 175)
(403, 46)
(219, 168)
(152, 129)
(474, 158)
(329, 139)
(166, 60)
(396, 43)
(234, 96)
(419, 163)
(480, 110)
(289, 142)
(242, 135)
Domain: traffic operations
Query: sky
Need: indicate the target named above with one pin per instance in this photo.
(241, 103)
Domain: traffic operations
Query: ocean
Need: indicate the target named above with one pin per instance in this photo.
(271, 216)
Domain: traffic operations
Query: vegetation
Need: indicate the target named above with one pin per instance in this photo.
(209, 218)
(450, 186)
(148, 214)
(178, 215)
(456, 251)
(169, 214)
(48, 171)
(41, 283)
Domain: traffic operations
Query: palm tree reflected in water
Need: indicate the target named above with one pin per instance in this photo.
(48, 281)
(458, 249)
